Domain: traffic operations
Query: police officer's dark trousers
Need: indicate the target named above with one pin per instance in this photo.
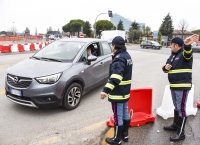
(179, 98)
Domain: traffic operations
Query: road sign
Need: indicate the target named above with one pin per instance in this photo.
(81, 35)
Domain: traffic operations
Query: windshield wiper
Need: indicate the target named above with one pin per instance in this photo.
(52, 59)
(35, 57)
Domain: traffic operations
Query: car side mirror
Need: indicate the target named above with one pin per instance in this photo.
(91, 58)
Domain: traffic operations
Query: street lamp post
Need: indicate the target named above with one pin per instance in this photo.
(109, 14)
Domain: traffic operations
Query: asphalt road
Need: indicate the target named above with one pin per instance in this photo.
(85, 125)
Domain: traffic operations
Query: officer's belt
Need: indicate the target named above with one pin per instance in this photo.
(180, 71)
(180, 85)
(118, 97)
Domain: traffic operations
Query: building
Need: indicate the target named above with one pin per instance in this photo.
(126, 22)
(178, 33)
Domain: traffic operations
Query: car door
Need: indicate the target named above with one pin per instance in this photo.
(107, 52)
(94, 73)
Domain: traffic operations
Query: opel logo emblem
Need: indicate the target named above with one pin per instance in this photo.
(15, 79)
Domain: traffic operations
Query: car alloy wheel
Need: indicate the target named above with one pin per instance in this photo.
(72, 97)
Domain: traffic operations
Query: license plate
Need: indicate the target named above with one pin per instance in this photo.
(15, 92)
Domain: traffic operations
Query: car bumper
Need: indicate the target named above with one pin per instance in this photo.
(37, 95)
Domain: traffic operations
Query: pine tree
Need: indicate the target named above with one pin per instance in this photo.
(166, 27)
(120, 25)
(135, 26)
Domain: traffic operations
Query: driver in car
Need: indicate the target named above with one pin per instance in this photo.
(89, 53)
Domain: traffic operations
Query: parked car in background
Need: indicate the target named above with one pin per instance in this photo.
(59, 74)
(150, 44)
(196, 47)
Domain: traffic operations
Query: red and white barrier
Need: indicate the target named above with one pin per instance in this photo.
(14, 48)
(22, 47)
(139, 108)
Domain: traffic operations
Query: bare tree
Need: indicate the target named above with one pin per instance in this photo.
(183, 26)
(13, 30)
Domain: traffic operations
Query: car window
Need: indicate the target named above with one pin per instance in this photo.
(106, 48)
(95, 50)
(62, 50)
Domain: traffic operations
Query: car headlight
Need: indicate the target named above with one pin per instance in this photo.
(49, 79)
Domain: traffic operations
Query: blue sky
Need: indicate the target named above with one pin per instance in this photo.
(41, 14)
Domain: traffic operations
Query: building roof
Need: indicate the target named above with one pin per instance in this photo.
(179, 32)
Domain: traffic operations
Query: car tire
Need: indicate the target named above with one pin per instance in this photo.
(72, 97)
(154, 47)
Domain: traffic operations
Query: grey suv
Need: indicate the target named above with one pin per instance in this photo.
(150, 44)
(59, 74)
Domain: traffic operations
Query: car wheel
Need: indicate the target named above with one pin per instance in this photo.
(153, 47)
(72, 97)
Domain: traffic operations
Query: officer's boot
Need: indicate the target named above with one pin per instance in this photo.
(174, 126)
(180, 134)
(125, 130)
(116, 140)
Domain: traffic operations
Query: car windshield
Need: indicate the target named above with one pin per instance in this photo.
(60, 51)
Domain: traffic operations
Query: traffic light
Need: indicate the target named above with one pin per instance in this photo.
(110, 13)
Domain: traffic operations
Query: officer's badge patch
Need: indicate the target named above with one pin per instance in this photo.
(117, 56)
(176, 58)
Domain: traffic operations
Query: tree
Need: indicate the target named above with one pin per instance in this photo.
(120, 25)
(27, 31)
(134, 35)
(135, 26)
(102, 25)
(166, 27)
(13, 30)
(73, 26)
(87, 28)
(159, 37)
(183, 25)
(148, 32)
(3, 32)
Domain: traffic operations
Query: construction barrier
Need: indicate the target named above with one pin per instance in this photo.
(1, 47)
(14, 48)
(22, 47)
(6, 49)
(166, 110)
(32, 47)
(198, 104)
(139, 108)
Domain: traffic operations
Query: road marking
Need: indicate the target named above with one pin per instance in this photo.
(9, 60)
(109, 134)
(1, 66)
(2, 92)
(51, 140)
(57, 139)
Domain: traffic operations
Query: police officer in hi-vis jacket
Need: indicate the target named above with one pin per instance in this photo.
(179, 69)
(118, 90)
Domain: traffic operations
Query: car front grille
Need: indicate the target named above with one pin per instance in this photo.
(18, 82)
